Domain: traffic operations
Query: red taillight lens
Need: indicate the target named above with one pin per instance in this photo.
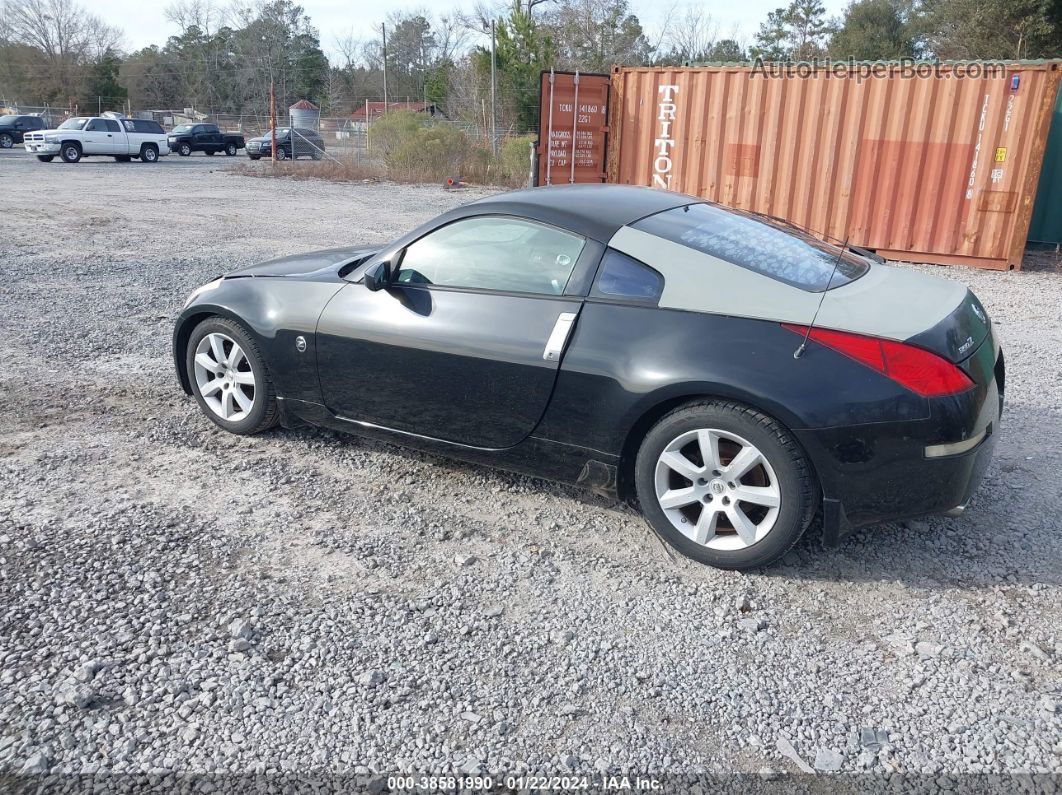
(922, 372)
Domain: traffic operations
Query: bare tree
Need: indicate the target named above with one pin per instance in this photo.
(691, 34)
(66, 36)
(201, 14)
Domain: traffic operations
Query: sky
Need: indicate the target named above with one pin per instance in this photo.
(338, 18)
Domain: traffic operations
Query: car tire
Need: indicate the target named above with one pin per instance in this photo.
(223, 389)
(230, 149)
(184, 150)
(70, 152)
(149, 153)
(316, 155)
(773, 501)
(255, 157)
(281, 154)
(122, 158)
(6, 141)
(46, 158)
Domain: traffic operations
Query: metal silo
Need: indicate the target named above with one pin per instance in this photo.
(305, 114)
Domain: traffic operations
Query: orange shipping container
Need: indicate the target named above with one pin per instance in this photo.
(936, 168)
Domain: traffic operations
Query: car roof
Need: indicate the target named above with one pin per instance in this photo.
(597, 211)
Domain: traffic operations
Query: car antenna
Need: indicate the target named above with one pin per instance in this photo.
(804, 344)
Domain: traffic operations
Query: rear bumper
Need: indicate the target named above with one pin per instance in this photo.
(898, 470)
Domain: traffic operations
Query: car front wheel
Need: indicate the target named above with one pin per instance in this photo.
(228, 377)
(71, 152)
(725, 485)
(184, 150)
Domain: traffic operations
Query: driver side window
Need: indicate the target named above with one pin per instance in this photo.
(493, 253)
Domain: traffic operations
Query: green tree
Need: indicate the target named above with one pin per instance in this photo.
(873, 30)
(522, 50)
(794, 33)
(1000, 29)
(594, 35)
(104, 82)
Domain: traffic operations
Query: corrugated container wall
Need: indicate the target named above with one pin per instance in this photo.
(1046, 226)
(933, 169)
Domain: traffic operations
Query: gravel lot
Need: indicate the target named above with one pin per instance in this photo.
(175, 599)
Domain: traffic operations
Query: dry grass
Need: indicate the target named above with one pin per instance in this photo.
(406, 147)
(332, 170)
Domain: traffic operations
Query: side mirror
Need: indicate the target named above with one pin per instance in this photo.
(378, 276)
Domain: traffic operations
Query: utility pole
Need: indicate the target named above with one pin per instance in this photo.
(273, 118)
(383, 30)
(493, 92)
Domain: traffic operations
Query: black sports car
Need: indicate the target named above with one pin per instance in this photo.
(728, 374)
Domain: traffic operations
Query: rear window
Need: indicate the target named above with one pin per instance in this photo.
(143, 126)
(773, 250)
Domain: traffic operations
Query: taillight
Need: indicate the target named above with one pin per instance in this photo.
(922, 372)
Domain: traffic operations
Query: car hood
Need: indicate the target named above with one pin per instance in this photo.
(304, 264)
(266, 139)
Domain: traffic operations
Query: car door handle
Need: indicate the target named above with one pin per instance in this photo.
(559, 336)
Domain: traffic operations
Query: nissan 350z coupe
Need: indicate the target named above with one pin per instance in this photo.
(727, 374)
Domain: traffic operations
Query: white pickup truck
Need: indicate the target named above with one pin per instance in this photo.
(117, 137)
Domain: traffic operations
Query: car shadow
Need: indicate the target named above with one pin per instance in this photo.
(1009, 534)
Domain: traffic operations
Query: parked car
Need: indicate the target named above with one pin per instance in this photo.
(308, 143)
(730, 375)
(84, 136)
(187, 138)
(13, 128)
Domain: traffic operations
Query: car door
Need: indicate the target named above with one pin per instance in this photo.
(97, 140)
(117, 139)
(213, 137)
(465, 344)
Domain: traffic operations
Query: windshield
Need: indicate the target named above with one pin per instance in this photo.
(777, 250)
(182, 128)
(8, 119)
(73, 124)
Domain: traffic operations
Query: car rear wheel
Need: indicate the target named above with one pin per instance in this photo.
(149, 153)
(230, 149)
(184, 150)
(45, 158)
(71, 152)
(317, 155)
(255, 157)
(6, 141)
(282, 154)
(229, 378)
(725, 485)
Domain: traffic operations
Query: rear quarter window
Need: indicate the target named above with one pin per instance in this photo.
(623, 277)
(781, 253)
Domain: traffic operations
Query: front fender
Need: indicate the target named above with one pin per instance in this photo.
(275, 312)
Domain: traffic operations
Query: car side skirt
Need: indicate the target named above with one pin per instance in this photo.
(534, 456)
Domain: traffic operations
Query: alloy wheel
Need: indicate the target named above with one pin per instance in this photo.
(224, 377)
(717, 489)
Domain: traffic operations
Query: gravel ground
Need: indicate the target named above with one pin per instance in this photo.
(175, 599)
